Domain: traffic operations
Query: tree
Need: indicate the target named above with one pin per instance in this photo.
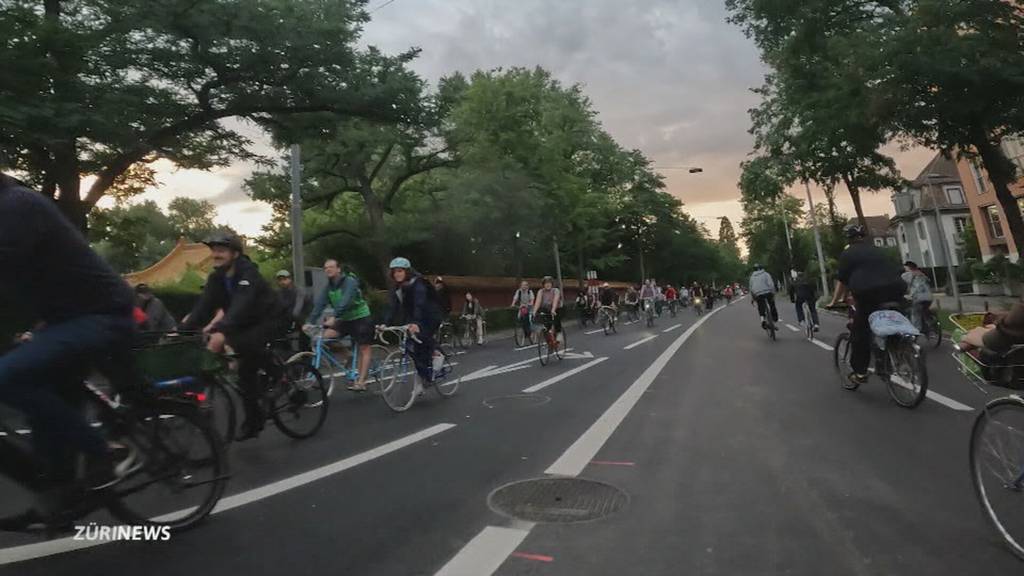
(191, 218)
(103, 89)
(727, 236)
(132, 236)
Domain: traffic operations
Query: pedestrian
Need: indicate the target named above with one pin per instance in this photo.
(297, 308)
(157, 318)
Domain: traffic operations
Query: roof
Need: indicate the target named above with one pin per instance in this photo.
(943, 170)
(174, 265)
(877, 225)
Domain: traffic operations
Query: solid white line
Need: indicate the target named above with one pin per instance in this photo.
(577, 456)
(563, 376)
(639, 342)
(59, 546)
(595, 331)
(793, 328)
(944, 400)
(822, 345)
(671, 328)
(525, 347)
(482, 555)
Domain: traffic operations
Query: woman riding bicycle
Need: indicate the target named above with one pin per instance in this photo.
(473, 311)
(522, 301)
(548, 303)
(414, 305)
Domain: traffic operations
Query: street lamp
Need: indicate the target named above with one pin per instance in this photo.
(942, 239)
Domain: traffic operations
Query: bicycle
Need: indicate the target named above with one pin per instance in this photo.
(398, 371)
(808, 324)
(609, 316)
(698, 305)
(177, 451)
(931, 328)
(898, 359)
(649, 312)
(449, 335)
(547, 341)
(323, 360)
(585, 315)
(470, 335)
(996, 449)
(523, 327)
(632, 312)
(673, 308)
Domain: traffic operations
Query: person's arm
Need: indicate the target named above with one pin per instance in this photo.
(556, 301)
(1009, 331)
(318, 307)
(244, 302)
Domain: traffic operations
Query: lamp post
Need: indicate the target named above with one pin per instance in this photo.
(817, 239)
(298, 262)
(942, 240)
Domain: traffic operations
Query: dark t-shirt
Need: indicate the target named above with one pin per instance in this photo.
(47, 269)
(864, 267)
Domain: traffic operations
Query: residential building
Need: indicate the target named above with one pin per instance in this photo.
(986, 213)
(915, 223)
(880, 230)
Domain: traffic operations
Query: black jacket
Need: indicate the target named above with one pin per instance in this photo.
(416, 305)
(803, 289)
(246, 298)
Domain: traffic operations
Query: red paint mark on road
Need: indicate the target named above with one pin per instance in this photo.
(612, 463)
(537, 557)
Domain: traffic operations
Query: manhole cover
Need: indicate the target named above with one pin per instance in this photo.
(517, 400)
(561, 500)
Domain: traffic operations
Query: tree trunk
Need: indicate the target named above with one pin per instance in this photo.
(517, 260)
(580, 260)
(1000, 172)
(378, 246)
(855, 196)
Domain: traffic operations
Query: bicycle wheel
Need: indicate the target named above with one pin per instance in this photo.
(221, 410)
(841, 360)
(560, 348)
(606, 324)
(299, 408)
(809, 329)
(997, 468)
(908, 378)
(378, 355)
(933, 332)
(446, 383)
(520, 337)
(308, 358)
(542, 346)
(183, 469)
(771, 330)
(398, 381)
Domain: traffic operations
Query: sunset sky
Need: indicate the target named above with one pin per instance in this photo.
(670, 78)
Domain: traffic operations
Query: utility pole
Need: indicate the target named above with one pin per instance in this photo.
(558, 268)
(298, 262)
(817, 240)
(945, 247)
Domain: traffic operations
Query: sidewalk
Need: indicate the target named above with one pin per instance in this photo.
(972, 303)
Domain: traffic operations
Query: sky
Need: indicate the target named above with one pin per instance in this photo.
(670, 78)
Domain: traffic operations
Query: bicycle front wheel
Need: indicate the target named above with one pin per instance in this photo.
(542, 347)
(398, 381)
(519, 334)
(446, 383)
(997, 468)
(299, 409)
(182, 470)
(908, 380)
(841, 360)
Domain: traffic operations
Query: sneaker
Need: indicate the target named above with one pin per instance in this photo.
(417, 389)
(858, 378)
(105, 471)
(815, 328)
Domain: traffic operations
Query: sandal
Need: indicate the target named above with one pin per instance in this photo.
(355, 388)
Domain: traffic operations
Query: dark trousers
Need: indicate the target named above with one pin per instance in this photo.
(251, 346)
(524, 322)
(866, 303)
(800, 310)
(422, 352)
(766, 303)
(37, 378)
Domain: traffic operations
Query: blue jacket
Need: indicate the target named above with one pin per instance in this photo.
(417, 305)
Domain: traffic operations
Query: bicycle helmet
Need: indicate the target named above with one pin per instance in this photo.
(283, 274)
(758, 266)
(400, 263)
(853, 231)
(547, 279)
(226, 239)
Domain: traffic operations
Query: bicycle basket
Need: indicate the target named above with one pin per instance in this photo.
(985, 366)
(175, 358)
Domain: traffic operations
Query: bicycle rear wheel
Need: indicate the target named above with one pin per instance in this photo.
(908, 380)
(446, 383)
(771, 330)
(182, 472)
(519, 334)
(841, 360)
(299, 409)
(221, 410)
(997, 468)
(933, 332)
(606, 324)
(560, 345)
(398, 381)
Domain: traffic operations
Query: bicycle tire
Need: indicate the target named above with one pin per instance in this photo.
(933, 332)
(520, 338)
(308, 357)
(771, 330)
(378, 354)
(1014, 540)
(841, 360)
(912, 356)
(606, 325)
(145, 432)
(222, 410)
(400, 373)
(560, 345)
(447, 386)
(542, 346)
(304, 390)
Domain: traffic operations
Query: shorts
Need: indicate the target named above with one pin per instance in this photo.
(361, 330)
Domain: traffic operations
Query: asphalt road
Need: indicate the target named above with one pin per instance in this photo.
(732, 454)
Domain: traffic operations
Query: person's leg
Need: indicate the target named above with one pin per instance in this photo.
(761, 306)
(799, 311)
(860, 332)
(814, 312)
(771, 305)
(479, 330)
(248, 383)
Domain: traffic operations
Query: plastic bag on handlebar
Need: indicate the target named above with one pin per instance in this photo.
(885, 323)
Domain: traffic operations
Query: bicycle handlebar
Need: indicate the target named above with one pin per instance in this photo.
(402, 331)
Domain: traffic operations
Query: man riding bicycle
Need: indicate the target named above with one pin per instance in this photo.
(920, 294)
(803, 291)
(473, 311)
(762, 286)
(608, 297)
(648, 293)
(82, 312)
(414, 305)
(873, 279)
(549, 302)
(253, 317)
(350, 316)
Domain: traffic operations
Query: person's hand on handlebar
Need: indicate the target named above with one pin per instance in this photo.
(413, 328)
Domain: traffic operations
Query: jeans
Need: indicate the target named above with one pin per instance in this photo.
(37, 377)
(422, 352)
(800, 311)
(767, 301)
(524, 322)
(866, 303)
(918, 312)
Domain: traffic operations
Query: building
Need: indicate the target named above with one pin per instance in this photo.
(879, 230)
(986, 213)
(915, 224)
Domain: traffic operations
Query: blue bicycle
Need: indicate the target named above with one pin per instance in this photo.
(399, 386)
(324, 360)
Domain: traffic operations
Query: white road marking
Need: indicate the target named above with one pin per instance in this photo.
(575, 356)
(932, 395)
(639, 342)
(822, 345)
(595, 331)
(495, 370)
(577, 456)
(563, 376)
(482, 555)
(62, 545)
(526, 347)
(671, 328)
(793, 328)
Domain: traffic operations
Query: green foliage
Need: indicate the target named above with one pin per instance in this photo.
(191, 218)
(969, 237)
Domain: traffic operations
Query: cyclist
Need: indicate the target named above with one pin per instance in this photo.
(804, 290)
(297, 308)
(684, 295)
(549, 301)
(728, 293)
(866, 272)
(522, 300)
(632, 298)
(158, 319)
(709, 295)
(83, 312)
(659, 298)
(762, 287)
(443, 298)
(473, 311)
(608, 297)
(582, 305)
(648, 294)
(253, 317)
(414, 305)
(671, 296)
(349, 316)
(920, 293)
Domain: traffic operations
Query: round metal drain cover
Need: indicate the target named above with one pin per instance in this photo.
(557, 500)
(517, 400)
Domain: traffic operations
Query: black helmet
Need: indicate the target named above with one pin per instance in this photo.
(853, 231)
(226, 239)
(757, 266)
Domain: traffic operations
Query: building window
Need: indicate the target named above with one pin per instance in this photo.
(960, 224)
(979, 175)
(995, 225)
(1014, 149)
(879, 242)
(954, 194)
(920, 230)
(890, 241)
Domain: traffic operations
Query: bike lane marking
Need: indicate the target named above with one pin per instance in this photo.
(563, 376)
(639, 342)
(793, 328)
(671, 328)
(822, 345)
(594, 331)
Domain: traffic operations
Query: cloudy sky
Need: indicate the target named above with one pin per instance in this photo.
(669, 77)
